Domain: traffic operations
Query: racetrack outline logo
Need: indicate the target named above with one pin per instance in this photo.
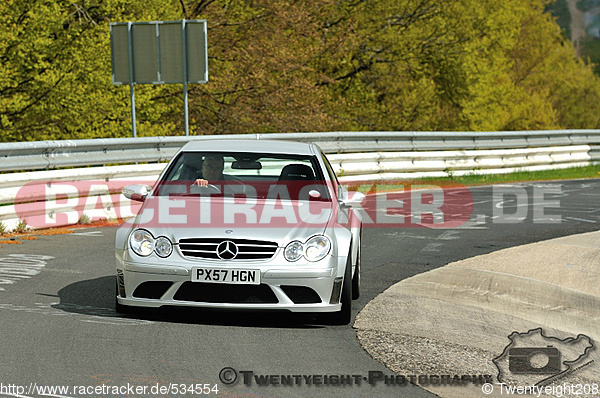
(533, 358)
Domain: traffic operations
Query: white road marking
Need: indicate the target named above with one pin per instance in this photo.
(16, 267)
(448, 235)
(90, 233)
(86, 313)
(405, 235)
(502, 204)
(432, 247)
(580, 219)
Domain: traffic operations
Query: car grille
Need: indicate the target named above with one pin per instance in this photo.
(248, 249)
(224, 293)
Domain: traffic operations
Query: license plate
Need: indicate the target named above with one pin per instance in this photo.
(226, 275)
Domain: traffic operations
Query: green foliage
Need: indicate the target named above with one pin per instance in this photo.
(590, 50)
(21, 226)
(55, 80)
(465, 65)
(84, 219)
(283, 66)
(263, 77)
(591, 171)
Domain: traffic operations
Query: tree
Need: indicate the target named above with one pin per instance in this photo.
(55, 77)
(298, 65)
(262, 74)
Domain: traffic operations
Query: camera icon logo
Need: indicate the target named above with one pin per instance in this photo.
(534, 360)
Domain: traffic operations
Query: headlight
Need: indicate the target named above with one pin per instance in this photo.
(316, 248)
(293, 251)
(163, 246)
(141, 242)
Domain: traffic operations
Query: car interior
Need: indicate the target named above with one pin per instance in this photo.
(268, 175)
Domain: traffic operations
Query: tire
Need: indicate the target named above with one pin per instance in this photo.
(123, 309)
(356, 277)
(343, 316)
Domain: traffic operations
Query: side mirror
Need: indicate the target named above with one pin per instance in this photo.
(352, 199)
(136, 192)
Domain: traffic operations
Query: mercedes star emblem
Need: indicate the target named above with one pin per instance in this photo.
(227, 250)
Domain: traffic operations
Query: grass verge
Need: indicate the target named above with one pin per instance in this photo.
(573, 173)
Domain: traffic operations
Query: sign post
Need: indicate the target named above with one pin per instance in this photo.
(131, 81)
(159, 52)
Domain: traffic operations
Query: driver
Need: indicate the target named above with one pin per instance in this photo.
(212, 170)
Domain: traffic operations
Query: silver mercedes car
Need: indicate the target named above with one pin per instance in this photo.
(243, 225)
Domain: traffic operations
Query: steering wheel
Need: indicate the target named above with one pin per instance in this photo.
(209, 187)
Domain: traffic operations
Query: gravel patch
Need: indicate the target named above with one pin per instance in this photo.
(407, 355)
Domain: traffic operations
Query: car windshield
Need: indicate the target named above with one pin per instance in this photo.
(251, 175)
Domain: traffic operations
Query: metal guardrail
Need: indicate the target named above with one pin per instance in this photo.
(42, 155)
(355, 156)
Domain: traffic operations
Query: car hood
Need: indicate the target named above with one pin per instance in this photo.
(278, 221)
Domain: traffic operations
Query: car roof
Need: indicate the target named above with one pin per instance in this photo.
(246, 145)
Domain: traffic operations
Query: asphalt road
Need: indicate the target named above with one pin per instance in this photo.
(58, 326)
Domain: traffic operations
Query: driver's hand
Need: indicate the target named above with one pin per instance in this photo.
(201, 182)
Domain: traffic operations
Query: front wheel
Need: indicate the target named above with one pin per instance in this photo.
(123, 309)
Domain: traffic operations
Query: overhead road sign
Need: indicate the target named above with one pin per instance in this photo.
(159, 52)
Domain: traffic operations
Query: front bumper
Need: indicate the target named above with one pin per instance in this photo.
(296, 290)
